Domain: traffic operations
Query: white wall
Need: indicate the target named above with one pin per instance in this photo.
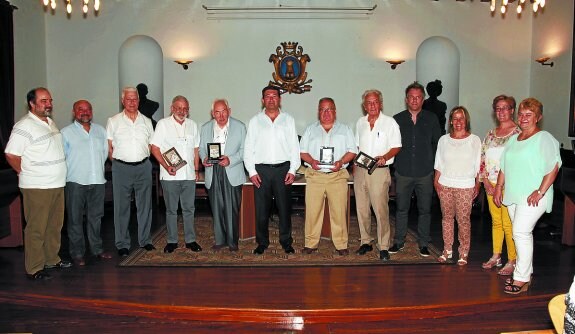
(553, 37)
(29, 52)
(347, 56)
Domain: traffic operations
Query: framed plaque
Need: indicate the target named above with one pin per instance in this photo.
(365, 161)
(326, 157)
(174, 159)
(214, 152)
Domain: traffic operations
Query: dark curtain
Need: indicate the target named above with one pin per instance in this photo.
(6, 76)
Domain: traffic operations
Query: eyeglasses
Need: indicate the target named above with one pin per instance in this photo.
(327, 109)
(181, 109)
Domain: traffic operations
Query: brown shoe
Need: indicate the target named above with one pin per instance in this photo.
(308, 250)
(343, 252)
(79, 261)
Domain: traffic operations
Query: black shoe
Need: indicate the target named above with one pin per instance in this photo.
(289, 249)
(60, 265)
(364, 249)
(149, 247)
(40, 275)
(234, 248)
(170, 247)
(194, 246)
(423, 251)
(123, 252)
(260, 249)
(384, 255)
(395, 248)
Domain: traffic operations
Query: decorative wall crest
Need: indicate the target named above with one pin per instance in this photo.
(290, 75)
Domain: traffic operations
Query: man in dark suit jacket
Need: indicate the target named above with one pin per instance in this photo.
(225, 178)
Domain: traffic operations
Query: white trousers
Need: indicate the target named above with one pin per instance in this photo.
(524, 218)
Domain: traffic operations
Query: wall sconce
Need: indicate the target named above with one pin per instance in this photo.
(394, 63)
(543, 61)
(184, 63)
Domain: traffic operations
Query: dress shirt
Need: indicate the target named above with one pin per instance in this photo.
(378, 141)
(39, 144)
(130, 140)
(340, 137)
(185, 138)
(86, 153)
(458, 161)
(221, 135)
(419, 143)
(270, 142)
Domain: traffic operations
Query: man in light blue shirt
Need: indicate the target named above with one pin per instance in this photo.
(327, 147)
(86, 150)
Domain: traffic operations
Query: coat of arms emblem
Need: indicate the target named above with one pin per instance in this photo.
(289, 63)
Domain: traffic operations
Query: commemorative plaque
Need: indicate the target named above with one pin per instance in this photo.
(365, 161)
(326, 157)
(214, 153)
(174, 159)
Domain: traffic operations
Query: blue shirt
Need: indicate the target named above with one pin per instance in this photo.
(340, 137)
(86, 153)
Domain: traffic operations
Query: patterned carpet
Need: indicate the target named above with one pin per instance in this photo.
(274, 255)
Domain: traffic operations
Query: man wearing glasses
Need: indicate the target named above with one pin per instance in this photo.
(178, 135)
(322, 143)
(414, 167)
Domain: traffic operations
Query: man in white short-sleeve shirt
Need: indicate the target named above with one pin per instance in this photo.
(129, 134)
(178, 132)
(36, 153)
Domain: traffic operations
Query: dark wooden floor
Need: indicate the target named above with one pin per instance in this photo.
(102, 297)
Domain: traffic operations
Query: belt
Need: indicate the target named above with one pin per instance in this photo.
(131, 163)
(285, 163)
(384, 166)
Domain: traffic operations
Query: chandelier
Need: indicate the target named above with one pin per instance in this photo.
(52, 4)
(520, 5)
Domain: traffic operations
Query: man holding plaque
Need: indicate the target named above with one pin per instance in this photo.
(222, 153)
(271, 157)
(129, 134)
(175, 146)
(321, 143)
(377, 135)
(414, 167)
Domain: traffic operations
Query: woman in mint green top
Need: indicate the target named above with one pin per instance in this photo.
(529, 165)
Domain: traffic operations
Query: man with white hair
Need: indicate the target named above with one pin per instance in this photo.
(129, 134)
(178, 132)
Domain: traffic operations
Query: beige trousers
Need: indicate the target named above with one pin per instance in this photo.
(320, 186)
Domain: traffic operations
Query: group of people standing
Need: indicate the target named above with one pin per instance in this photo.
(517, 165)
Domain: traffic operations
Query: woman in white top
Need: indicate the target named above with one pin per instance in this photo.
(456, 181)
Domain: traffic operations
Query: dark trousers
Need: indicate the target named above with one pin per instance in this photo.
(404, 188)
(225, 201)
(273, 186)
(84, 200)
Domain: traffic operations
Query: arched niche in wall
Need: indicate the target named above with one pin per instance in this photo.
(438, 58)
(140, 60)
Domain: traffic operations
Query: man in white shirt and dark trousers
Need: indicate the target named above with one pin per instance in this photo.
(271, 157)
(179, 185)
(129, 134)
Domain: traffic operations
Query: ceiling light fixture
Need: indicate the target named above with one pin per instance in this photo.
(536, 4)
(85, 5)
